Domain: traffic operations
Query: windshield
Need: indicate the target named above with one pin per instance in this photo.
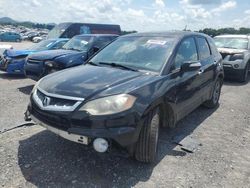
(78, 43)
(43, 45)
(236, 43)
(138, 52)
(57, 31)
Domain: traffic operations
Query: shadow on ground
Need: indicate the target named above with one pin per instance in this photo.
(11, 76)
(234, 82)
(26, 89)
(48, 160)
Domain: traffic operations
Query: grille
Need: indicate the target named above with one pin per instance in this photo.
(56, 101)
(34, 61)
(58, 121)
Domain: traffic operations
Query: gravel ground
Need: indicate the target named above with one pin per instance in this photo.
(30, 156)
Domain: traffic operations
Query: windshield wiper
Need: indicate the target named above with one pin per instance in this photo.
(118, 65)
(73, 49)
(92, 63)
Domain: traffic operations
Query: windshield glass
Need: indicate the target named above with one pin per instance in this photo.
(43, 45)
(139, 52)
(78, 43)
(226, 42)
(57, 31)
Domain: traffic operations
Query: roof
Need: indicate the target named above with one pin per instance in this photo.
(172, 34)
(95, 35)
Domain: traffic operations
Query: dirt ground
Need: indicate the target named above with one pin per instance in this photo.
(30, 156)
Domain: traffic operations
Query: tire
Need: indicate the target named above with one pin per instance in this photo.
(244, 76)
(146, 146)
(214, 101)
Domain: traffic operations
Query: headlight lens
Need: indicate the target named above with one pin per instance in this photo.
(237, 57)
(49, 63)
(109, 105)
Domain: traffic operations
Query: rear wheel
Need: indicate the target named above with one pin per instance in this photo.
(146, 147)
(214, 101)
(243, 77)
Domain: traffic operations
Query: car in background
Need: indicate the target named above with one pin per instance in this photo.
(75, 52)
(235, 50)
(39, 38)
(69, 30)
(10, 37)
(12, 61)
(130, 90)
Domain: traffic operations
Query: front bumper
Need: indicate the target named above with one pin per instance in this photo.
(34, 70)
(231, 72)
(124, 133)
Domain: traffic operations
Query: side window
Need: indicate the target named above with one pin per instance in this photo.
(204, 49)
(102, 41)
(186, 52)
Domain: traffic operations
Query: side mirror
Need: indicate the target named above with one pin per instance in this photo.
(95, 49)
(190, 66)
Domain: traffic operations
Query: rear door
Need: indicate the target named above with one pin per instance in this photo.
(188, 83)
(208, 63)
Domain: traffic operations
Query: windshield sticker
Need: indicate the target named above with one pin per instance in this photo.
(84, 42)
(159, 42)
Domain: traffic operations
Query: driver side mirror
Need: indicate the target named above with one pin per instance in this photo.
(190, 66)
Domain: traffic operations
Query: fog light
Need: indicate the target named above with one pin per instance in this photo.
(236, 66)
(100, 145)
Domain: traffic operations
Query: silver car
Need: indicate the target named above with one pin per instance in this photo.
(235, 50)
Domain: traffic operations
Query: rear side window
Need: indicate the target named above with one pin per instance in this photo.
(204, 49)
(186, 52)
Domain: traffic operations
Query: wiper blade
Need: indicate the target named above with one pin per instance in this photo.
(92, 63)
(118, 65)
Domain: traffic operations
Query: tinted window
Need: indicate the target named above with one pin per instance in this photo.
(186, 52)
(102, 41)
(204, 49)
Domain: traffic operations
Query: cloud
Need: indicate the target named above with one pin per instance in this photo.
(203, 2)
(225, 6)
(160, 3)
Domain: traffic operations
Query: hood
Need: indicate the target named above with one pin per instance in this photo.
(51, 54)
(231, 50)
(89, 81)
(15, 53)
(71, 59)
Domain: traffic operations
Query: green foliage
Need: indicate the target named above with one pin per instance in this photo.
(31, 25)
(214, 32)
(127, 32)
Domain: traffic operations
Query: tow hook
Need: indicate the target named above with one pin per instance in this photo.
(27, 116)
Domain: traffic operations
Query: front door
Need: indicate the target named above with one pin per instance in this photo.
(188, 83)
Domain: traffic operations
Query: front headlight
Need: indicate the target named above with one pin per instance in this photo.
(237, 57)
(49, 63)
(109, 105)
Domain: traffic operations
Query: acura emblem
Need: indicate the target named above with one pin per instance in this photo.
(46, 101)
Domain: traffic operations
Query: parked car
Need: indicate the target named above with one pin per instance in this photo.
(129, 90)
(235, 50)
(74, 52)
(12, 61)
(10, 37)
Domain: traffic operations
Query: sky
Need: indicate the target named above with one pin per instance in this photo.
(139, 15)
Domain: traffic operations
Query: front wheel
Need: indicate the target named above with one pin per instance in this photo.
(146, 146)
(214, 101)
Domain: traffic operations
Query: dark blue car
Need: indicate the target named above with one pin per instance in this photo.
(12, 61)
(75, 52)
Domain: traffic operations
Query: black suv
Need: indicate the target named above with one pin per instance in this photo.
(129, 90)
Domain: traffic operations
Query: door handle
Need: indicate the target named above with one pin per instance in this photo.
(200, 71)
